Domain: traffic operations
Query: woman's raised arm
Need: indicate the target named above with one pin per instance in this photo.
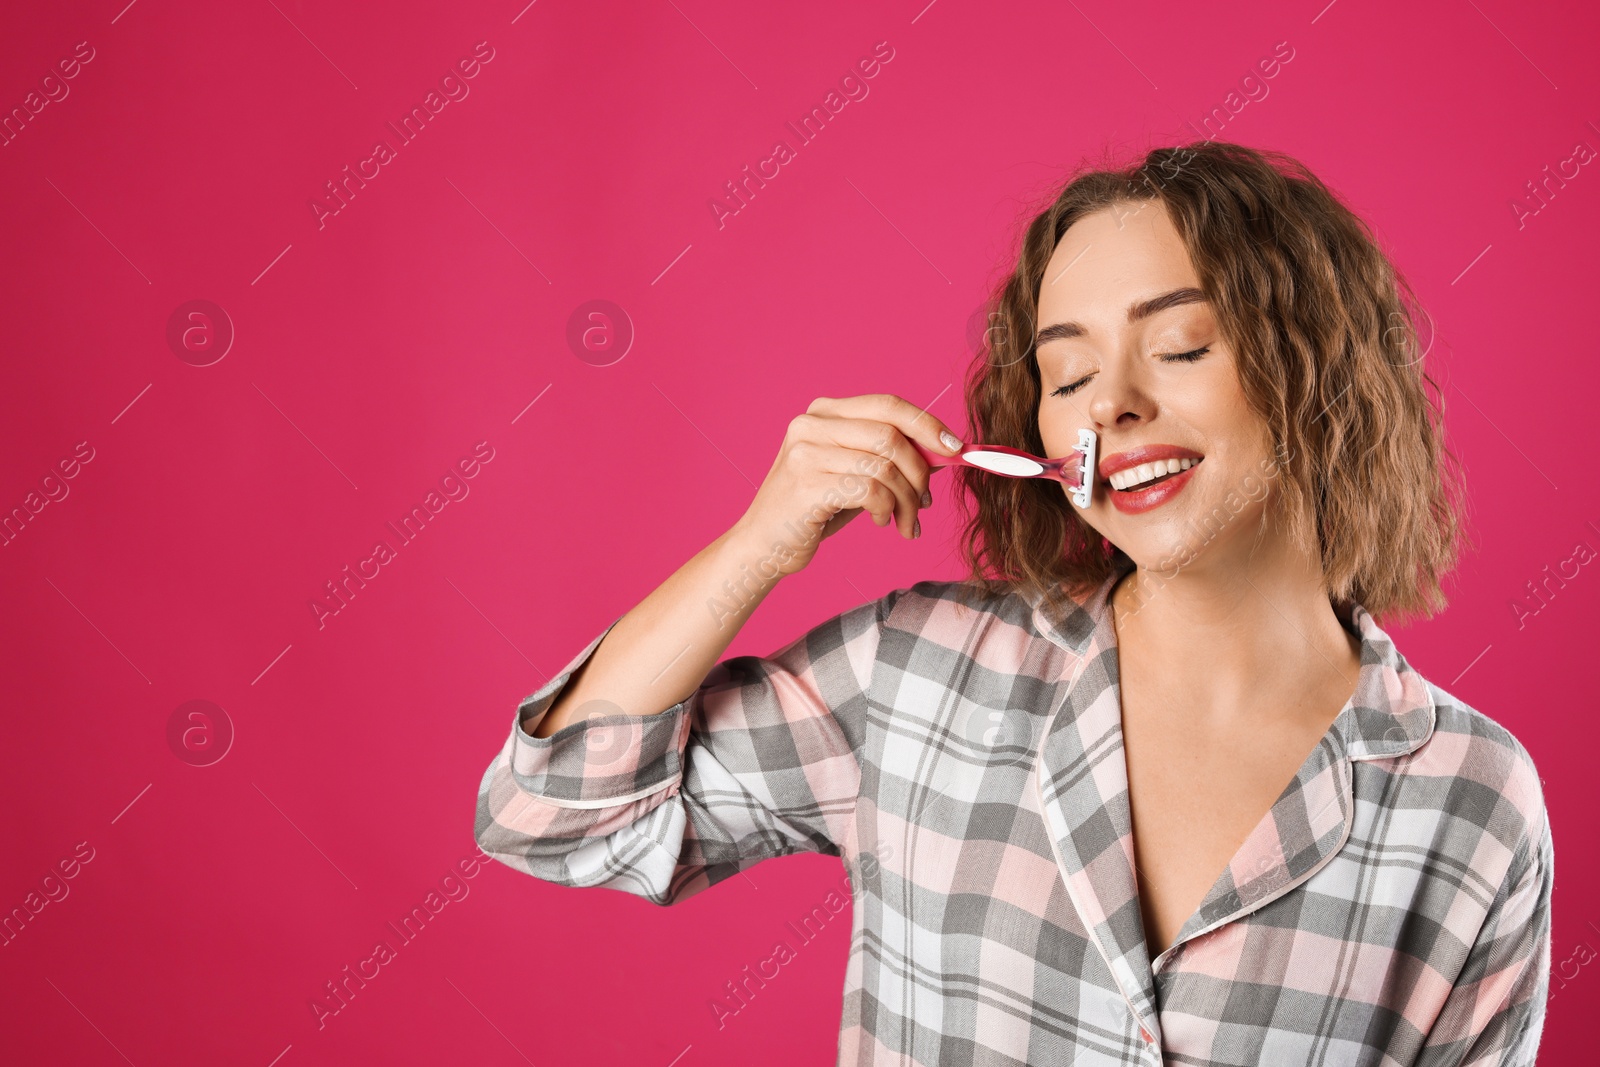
(841, 457)
(648, 766)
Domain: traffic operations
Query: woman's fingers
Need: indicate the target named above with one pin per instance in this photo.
(858, 454)
(869, 482)
(842, 457)
(887, 454)
(913, 422)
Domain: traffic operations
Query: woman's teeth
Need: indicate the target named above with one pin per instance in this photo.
(1147, 472)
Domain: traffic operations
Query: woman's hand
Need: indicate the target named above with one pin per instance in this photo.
(842, 457)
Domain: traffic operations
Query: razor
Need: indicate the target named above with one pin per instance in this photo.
(1074, 470)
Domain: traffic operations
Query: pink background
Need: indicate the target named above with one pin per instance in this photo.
(374, 352)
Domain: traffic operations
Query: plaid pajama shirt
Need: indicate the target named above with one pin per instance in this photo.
(1392, 907)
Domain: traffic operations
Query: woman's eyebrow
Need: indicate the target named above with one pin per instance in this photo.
(1142, 310)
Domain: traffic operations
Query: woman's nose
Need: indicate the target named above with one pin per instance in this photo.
(1118, 400)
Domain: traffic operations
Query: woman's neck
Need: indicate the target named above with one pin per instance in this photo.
(1239, 634)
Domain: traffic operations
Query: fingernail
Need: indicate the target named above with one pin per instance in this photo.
(927, 498)
(916, 528)
(951, 441)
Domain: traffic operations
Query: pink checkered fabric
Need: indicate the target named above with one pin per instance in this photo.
(966, 762)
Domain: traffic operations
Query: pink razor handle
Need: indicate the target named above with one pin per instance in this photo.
(1069, 470)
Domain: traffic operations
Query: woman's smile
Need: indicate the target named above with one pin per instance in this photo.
(1152, 493)
(1146, 477)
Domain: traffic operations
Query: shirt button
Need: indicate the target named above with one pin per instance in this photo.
(1146, 1035)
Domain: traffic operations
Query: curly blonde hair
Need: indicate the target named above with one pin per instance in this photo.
(1324, 329)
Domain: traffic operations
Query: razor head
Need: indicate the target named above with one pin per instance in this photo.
(1084, 493)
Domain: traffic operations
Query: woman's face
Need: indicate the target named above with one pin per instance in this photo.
(1132, 350)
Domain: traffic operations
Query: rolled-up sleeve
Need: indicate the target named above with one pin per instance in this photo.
(760, 761)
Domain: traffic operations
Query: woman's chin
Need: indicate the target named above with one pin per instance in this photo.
(1165, 558)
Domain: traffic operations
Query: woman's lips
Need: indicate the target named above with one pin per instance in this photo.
(1135, 501)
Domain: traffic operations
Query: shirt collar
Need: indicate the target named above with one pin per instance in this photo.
(1390, 713)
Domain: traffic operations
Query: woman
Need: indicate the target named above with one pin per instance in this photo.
(1151, 784)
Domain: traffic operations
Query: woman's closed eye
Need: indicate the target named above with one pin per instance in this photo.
(1175, 357)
